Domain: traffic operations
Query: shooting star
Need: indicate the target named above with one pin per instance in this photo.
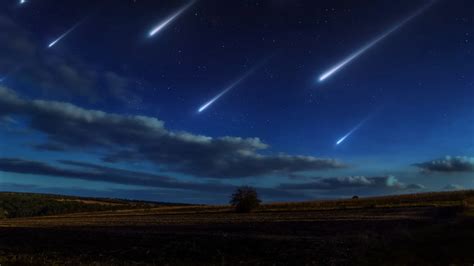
(5, 77)
(371, 44)
(22, 2)
(170, 19)
(53, 43)
(8, 74)
(231, 86)
(341, 140)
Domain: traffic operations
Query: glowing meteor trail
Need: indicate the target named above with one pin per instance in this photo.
(8, 74)
(341, 140)
(231, 86)
(170, 19)
(53, 43)
(206, 105)
(362, 50)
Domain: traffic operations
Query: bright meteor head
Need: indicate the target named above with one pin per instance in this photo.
(205, 106)
(341, 140)
(209, 103)
(234, 84)
(371, 44)
(53, 43)
(170, 19)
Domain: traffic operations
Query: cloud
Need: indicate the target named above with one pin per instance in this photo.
(151, 183)
(92, 172)
(449, 164)
(48, 147)
(415, 186)
(333, 183)
(7, 187)
(453, 187)
(56, 74)
(142, 138)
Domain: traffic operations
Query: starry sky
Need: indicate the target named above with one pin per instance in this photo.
(229, 93)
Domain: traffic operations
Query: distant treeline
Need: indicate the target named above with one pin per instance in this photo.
(14, 205)
(436, 199)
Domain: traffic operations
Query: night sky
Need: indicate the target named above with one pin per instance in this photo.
(182, 101)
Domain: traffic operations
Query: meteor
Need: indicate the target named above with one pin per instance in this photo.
(341, 140)
(206, 105)
(22, 2)
(362, 50)
(11, 72)
(170, 19)
(53, 43)
(231, 86)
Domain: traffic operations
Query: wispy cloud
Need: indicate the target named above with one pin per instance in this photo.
(334, 183)
(150, 183)
(449, 164)
(141, 138)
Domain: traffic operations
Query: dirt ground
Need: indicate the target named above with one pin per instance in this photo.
(216, 236)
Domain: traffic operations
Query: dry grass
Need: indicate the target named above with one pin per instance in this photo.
(98, 202)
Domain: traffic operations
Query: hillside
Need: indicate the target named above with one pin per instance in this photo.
(16, 205)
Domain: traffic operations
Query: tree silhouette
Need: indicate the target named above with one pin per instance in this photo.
(245, 199)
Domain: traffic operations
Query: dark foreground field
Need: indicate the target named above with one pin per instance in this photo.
(435, 228)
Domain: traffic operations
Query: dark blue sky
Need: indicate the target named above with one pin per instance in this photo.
(108, 111)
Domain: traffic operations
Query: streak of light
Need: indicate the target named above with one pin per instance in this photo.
(231, 86)
(371, 44)
(341, 140)
(62, 36)
(170, 19)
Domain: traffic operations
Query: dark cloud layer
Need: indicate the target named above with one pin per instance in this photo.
(92, 172)
(453, 187)
(449, 164)
(99, 173)
(128, 138)
(332, 183)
